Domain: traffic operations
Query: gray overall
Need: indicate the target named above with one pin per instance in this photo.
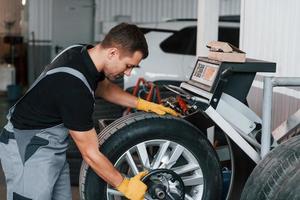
(34, 161)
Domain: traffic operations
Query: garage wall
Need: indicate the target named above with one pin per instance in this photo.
(40, 19)
(230, 7)
(39, 36)
(145, 10)
(110, 13)
(107, 14)
(272, 34)
(157, 10)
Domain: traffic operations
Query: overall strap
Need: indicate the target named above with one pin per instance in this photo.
(66, 49)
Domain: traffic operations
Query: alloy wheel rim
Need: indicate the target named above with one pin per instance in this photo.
(161, 154)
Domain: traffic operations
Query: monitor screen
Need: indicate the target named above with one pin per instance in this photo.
(205, 73)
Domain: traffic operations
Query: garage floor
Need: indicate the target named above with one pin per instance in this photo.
(4, 106)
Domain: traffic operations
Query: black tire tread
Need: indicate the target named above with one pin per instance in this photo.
(274, 171)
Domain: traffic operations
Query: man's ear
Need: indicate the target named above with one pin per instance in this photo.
(113, 52)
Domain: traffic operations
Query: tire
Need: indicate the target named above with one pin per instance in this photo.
(277, 176)
(106, 110)
(149, 129)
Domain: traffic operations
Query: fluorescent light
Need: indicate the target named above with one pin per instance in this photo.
(23, 2)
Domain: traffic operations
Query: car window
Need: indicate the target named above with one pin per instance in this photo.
(229, 29)
(145, 30)
(181, 42)
(231, 35)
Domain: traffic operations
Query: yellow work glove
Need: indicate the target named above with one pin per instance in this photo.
(134, 188)
(153, 107)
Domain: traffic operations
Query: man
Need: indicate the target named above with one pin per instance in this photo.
(34, 141)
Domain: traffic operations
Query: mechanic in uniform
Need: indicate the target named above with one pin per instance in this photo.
(33, 143)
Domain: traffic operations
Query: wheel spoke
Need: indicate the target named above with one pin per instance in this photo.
(131, 163)
(114, 192)
(148, 197)
(193, 180)
(196, 193)
(143, 154)
(162, 150)
(188, 197)
(174, 156)
(170, 197)
(185, 168)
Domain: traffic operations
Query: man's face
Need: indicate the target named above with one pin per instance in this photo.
(119, 65)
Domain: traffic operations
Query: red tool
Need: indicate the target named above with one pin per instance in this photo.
(182, 104)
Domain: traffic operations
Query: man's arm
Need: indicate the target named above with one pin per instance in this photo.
(114, 94)
(87, 144)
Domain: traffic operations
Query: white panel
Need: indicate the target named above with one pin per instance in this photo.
(72, 22)
(207, 25)
(140, 11)
(270, 31)
(40, 19)
(230, 7)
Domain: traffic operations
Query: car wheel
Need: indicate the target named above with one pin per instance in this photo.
(142, 141)
(277, 176)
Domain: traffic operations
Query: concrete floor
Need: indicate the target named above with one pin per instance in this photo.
(4, 106)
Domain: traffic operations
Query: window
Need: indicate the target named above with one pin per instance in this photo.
(231, 35)
(181, 42)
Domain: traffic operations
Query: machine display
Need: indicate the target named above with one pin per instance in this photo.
(208, 77)
(205, 73)
(203, 78)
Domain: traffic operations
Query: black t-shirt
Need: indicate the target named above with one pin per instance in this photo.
(61, 97)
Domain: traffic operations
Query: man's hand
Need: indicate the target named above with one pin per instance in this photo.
(134, 188)
(153, 107)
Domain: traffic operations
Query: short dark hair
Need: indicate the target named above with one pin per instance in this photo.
(128, 37)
